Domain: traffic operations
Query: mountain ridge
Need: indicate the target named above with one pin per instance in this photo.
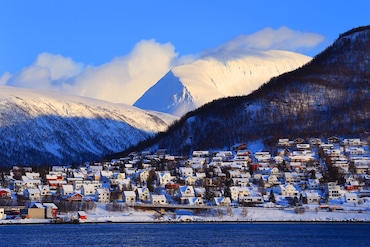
(53, 128)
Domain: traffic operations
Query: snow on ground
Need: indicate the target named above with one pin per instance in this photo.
(218, 214)
(223, 214)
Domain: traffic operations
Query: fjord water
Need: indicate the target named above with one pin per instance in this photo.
(238, 234)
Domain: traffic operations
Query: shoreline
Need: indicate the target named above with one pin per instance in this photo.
(221, 215)
(354, 221)
(179, 221)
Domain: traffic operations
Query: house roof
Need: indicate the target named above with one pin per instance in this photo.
(184, 188)
(37, 205)
(129, 193)
(102, 190)
(88, 186)
(67, 187)
(5, 189)
(50, 204)
(34, 191)
(219, 200)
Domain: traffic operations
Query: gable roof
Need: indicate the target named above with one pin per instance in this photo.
(129, 193)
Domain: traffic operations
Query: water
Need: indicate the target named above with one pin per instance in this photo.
(246, 234)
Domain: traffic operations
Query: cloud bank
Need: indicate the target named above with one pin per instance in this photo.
(127, 78)
(265, 39)
(123, 80)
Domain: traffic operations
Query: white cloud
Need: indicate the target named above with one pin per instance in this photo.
(59, 67)
(123, 80)
(266, 39)
(47, 72)
(4, 78)
(126, 78)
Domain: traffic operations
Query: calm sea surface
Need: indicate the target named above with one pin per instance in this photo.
(256, 234)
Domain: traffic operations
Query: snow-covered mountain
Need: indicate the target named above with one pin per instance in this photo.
(189, 86)
(52, 128)
(329, 96)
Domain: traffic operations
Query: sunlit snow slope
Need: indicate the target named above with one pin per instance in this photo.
(189, 86)
(47, 127)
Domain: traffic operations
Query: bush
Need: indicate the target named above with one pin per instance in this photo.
(299, 210)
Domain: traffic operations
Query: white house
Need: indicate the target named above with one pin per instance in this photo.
(77, 184)
(67, 189)
(143, 194)
(200, 192)
(102, 195)
(186, 171)
(129, 196)
(88, 189)
(291, 177)
(287, 190)
(197, 201)
(95, 169)
(234, 191)
(250, 200)
(262, 156)
(164, 178)
(158, 199)
(190, 180)
(44, 190)
(32, 194)
(244, 191)
(201, 153)
(144, 175)
(222, 201)
(242, 182)
(333, 190)
(186, 191)
(2, 214)
(273, 180)
(351, 197)
(310, 197)
(33, 175)
(352, 142)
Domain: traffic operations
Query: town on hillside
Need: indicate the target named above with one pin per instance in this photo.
(328, 175)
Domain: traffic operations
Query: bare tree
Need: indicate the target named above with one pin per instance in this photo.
(244, 212)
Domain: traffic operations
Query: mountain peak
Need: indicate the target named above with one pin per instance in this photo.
(192, 85)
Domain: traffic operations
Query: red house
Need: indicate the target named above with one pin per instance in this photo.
(76, 197)
(5, 193)
(172, 186)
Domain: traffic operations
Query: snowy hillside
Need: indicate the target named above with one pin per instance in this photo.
(48, 127)
(189, 86)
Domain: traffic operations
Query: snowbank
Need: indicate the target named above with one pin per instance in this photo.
(218, 214)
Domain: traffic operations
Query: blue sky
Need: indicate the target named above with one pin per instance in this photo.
(85, 34)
